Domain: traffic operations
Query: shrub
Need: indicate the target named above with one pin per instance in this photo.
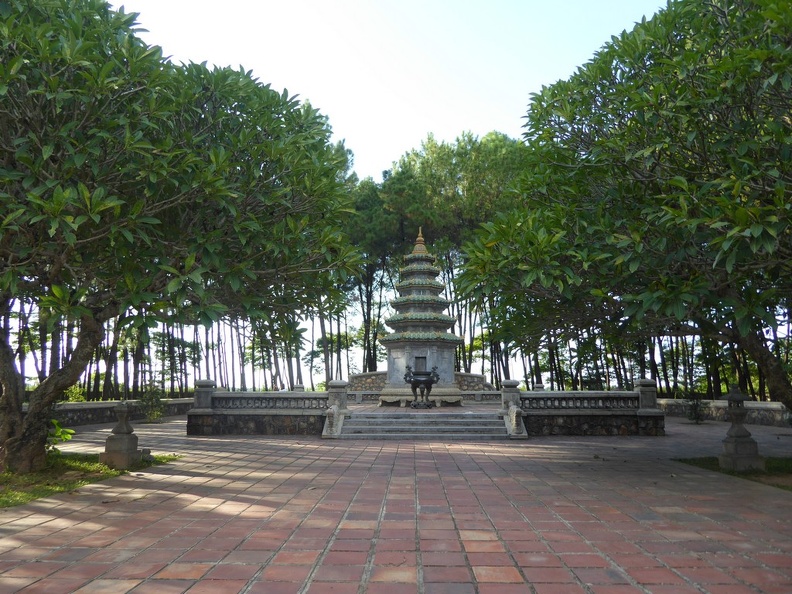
(57, 435)
(75, 393)
(151, 404)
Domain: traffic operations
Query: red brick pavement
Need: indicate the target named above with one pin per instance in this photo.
(298, 515)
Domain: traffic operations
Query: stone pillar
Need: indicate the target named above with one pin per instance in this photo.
(337, 395)
(647, 394)
(121, 447)
(200, 418)
(510, 394)
(204, 390)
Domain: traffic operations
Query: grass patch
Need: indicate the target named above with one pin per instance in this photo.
(64, 473)
(777, 472)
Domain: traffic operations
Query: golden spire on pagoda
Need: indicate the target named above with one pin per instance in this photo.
(419, 248)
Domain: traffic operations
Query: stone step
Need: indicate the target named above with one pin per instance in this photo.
(424, 425)
(417, 428)
(427, 436)
(422, 419)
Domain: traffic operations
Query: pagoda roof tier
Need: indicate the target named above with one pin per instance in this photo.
(420, 317)
(419, 257)
(422, 300)
(420, 283)
(422, 337)
(423, 269)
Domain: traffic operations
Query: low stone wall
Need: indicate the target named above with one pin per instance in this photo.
(593, 412)
(591, 423)
(253, 423)
(219, 412)
(373, 381)
(773, 414)
(484, 396)
(472, 382)
(75, 414)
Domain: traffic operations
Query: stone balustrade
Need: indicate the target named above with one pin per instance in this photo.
(220, 412)
(257, 401)
(580, 401)
(589, 412)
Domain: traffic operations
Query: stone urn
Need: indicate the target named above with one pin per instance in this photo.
(421, 383)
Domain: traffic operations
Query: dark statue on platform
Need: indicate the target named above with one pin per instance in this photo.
(421, 381)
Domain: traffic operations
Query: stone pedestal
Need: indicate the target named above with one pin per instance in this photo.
(121, 450)
(740, 450)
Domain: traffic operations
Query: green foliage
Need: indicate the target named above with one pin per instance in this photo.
(63, 473)
(134, 188)
(697, 409)
(74, 393)
(659, 186)
(57, 434)
(777, 471)
(151, 403)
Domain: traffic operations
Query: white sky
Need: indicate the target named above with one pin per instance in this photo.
(387, 73)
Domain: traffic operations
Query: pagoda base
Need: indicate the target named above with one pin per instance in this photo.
(403, 397)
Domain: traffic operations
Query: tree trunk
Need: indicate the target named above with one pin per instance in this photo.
(24, 440)
(778, 384)
(325, 350)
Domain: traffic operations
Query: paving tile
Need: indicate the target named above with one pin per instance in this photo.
(440, 545)
(272, 508)
(497, 574)
(34, 570)
(452, 588)
(285, 573)
(442, 558)
(555, 575)
(52, 585)
(336, 573)
(556, 589)
(295, 557)
(398, 558)
(391, 574)
(218, 587)
(454, 574)
(615, 589)
(386, 588)
(232, 571)
(332, 588)
(163, 587)
(537, 560)
(107, 586)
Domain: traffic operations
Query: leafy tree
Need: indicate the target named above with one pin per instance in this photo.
(659, 189)
(132, 186)
(376, 236)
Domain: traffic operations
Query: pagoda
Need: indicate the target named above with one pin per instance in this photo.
(420, 339)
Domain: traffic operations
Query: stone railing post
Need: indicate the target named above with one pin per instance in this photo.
(204, 390)
(647, 394)
(510, 394)
(337, 395)
(512, 409)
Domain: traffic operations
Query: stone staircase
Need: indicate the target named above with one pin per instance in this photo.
(425, 425)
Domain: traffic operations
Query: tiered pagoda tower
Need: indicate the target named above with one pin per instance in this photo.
(421, 337)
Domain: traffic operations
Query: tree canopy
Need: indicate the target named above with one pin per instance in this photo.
(132, 188)
(658, 194)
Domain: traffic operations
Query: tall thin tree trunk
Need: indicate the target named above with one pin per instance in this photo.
(325, 350)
